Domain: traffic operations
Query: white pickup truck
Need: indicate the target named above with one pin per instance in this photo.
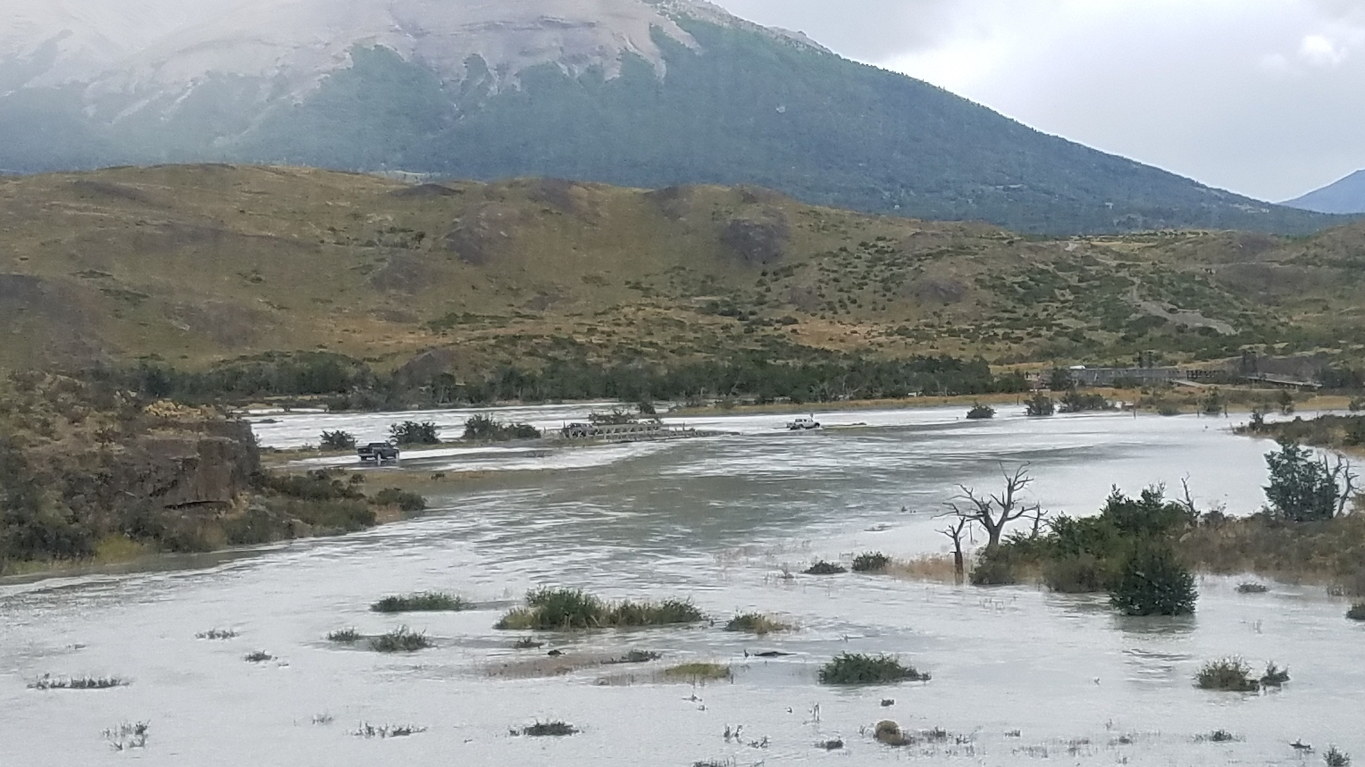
(802, 423)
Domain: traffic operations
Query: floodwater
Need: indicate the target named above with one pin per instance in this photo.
(1020, 676)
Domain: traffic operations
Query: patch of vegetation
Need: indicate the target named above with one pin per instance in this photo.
(405, 500)
(527, 643)
(1227, 675)
(889, 733)
(1335, 758)
(1357, 612)
(426, 601)
(344, 636)
(1251, 587)
(858, 668)
(401, 639)
(871, 562)
(833, 744)
(701, 672)
(635, 656)
(1077, 402)
(572, 609)
(756, 623)
(216, 634)
(1154, 582)
(367, 730)
(480, 427)
(1217, 736)
(128, 735)
(337, 440)
(258, 656)
(1303, 488)
(48, 682)
(980, 412)
(825, 568)
(551, 729)
(414, 433)
(1039, 405)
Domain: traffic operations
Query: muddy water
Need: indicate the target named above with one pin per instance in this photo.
(1019, 676)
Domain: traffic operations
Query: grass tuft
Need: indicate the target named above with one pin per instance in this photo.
(833, 744)
(1226, 675)
(258, 656)
(634, 656)
(857, 668)
(401, 640)
(756, 623)
(573, 609)
(216, 634)
(825, 568)
(427, 601)
(1335, 758)
(367, 730)
(1252, 588)
(555, 729)
(1217, 736)
(49, 682)
(698, 672)
(344, 636)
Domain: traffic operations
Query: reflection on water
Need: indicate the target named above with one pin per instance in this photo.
(714, 520)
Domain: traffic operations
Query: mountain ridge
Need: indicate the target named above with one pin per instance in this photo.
(618, 91)
(1343, 196)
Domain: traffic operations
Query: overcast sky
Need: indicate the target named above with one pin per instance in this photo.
(1263, 97)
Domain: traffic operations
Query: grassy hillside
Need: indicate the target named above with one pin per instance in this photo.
(191, 265)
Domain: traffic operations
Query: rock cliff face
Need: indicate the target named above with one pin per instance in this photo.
(211, 468)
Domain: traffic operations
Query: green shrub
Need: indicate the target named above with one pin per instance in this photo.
(344, 636)
(427, 601)
(1335, 758)
(995, 567)
(413, 433)
(1226, 675)
(572, 609)
(1357, 612)
(825, 568)
(980, 412)
(1076, 402)
(312, 486)
(1302, 488)
(403, 499)
(484, 428)
(337, 440)
(1078, 574)
(857, 668)
(871, 562)
(401, 639)
(1039, 405)
(1154, 582)
(756, 623)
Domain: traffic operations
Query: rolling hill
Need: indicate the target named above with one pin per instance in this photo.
(194, 265)
(648, 93)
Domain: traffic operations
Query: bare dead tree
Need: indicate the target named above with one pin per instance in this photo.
(1343, 474)
(956, 531)
(995, 512)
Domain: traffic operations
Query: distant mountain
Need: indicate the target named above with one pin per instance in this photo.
(645, 93)
(1344, 196)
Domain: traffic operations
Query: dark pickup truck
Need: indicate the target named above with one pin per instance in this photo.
(377, 452)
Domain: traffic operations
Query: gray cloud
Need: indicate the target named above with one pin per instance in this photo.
(1262, 99)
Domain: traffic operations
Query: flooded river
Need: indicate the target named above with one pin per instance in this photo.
(1020, 676)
